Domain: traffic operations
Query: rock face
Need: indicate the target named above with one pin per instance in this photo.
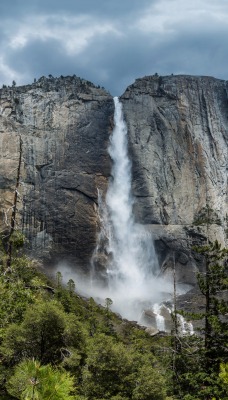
(178, 141)
(64, 125)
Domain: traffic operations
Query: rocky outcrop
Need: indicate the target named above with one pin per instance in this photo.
(64, 125)
(178, 141)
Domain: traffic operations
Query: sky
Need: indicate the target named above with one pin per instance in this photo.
(112, 42)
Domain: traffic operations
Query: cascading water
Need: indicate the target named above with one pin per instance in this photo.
(132, 273)
(134, 258)
(160, 321)
(125, 266)
(186, 328)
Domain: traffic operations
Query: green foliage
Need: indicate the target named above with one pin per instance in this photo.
(207, 216)
(18, 239)
(107, 367)
(112, 371)
(65, 334)
(74, 340)
(45, 334)
(149, 384)
(31, 380)
(13, 302)
(108, 303)
(16, 293)
(59, 279)
(71, 286)
(212, 283)
(199, 357)
(224, 373)
(92, 320)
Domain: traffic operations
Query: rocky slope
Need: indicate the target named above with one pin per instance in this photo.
(178, 139)
(178, 143)
(64, 126)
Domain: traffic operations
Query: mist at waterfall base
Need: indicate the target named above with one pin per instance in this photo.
(132, 275)
(131, 279)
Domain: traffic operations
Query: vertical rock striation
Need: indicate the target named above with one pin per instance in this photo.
(178, 139)
(64, 125)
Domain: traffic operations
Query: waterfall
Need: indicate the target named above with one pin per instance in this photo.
(124, 264)
(132, 273)
(131, 246)
(160, 320)
(185, 327)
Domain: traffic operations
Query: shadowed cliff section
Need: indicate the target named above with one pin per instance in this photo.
(178, 141)
(64, 125)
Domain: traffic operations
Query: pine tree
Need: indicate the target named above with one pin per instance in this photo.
(213, 284)
(202, 354)
(34, 381)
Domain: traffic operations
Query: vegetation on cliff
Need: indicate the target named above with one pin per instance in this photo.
(56, 345)
(197, 369)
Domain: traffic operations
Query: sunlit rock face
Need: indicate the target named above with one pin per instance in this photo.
(178, 141)
(64, 125)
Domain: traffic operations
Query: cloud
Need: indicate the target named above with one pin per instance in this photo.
(112, 43)
(170, 16)
(74, 33)
(52, 37)
(7, 71)
(100, 8)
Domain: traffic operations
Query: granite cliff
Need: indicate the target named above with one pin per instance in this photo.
(178, 140)
(178, 143)
(64, 127)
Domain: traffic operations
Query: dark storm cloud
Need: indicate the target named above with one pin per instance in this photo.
(122, 63)
(111, 43)
(36, 52)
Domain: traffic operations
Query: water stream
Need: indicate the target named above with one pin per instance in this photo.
(133, 255)
(132, 280)
(124, 264)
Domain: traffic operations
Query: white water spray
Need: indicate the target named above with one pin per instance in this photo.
(132, 247)
(186, 328)
(160, 320)
(131, 279)
(132, 272)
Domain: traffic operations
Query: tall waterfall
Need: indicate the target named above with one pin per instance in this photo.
(132, 248)
(132, 271)
(125, 266)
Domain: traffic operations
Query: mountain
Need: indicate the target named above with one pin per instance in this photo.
(178, 145)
